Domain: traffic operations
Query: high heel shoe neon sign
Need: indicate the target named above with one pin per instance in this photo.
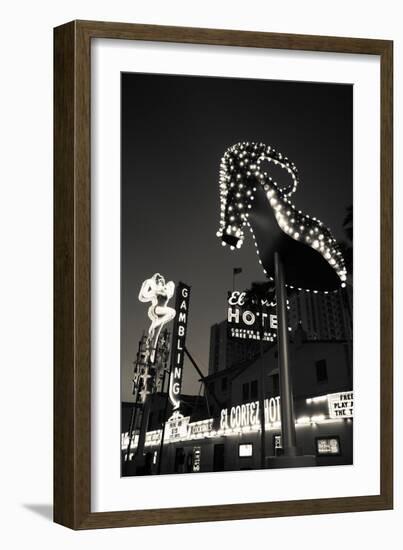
(249, 198)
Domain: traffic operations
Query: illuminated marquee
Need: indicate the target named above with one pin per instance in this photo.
(201, 428)
(177, 427)
(245, 418)
(341, 405)
(178, 343)
(247, 415)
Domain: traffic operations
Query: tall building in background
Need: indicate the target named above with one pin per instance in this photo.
(325, 317)
(227, 352)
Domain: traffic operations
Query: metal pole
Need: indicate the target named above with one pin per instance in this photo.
(164, 418)
(131, 430)
(143, 429)
(202, 377)
(261, 390)
(286, 395)
(163, 433)
(207, 403)
(262, 412)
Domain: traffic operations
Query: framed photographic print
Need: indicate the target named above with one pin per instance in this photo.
(223, 275)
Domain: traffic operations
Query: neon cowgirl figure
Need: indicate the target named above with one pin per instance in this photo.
(158, 292)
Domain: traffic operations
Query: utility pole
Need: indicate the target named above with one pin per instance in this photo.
(286, 398)
(292, 455)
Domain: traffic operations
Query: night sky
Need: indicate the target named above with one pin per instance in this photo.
(175, 130)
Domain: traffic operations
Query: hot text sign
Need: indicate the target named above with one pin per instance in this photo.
(247, 415)
(178, 343)
(250, 321)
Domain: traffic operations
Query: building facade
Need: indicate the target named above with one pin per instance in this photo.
(225, 433)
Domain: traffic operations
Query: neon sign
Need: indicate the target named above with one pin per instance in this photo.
(158, 292)
(341, 405)
(177, 427)
(245, 418)
(241, 175)
(247, 324)
(247, 415)
(178, 344)
(201, 428)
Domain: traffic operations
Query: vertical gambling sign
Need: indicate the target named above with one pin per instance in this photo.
(178, 343)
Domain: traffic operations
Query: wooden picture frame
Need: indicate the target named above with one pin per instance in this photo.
(72, 269)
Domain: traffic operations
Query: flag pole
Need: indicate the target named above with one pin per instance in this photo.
(235, 271)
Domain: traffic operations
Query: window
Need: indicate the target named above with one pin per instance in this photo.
(245, 450)
(327, 446)
(321, 370)
(224, 383)
(254, 390)
(245, 391)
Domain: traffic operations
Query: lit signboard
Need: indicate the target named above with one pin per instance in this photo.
(196, 459)
(247, 322)
(247, 415)
(328, 446)
(176, 427)
(245, 450)
(201, 428)
(178, 343)
(341, 405)
(158, 292)
(153, 438)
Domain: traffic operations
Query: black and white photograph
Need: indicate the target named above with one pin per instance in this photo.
(236, 274)
(201, 262)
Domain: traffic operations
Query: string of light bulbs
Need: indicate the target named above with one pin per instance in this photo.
(240, 175)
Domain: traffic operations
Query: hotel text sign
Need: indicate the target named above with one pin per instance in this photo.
(248, 322)
(341, 405)
(178, 343)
